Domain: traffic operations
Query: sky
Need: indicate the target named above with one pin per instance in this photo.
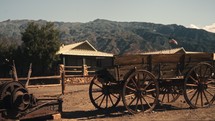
(198, 14)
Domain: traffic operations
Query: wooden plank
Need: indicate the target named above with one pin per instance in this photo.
(32, 78)
(68, 67)
(6, 79)
(40, 77)
(56, 116)
(45, 85)
(198, 57)
(130, 59)
(167, 58)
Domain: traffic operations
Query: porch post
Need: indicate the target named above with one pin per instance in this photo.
(84, 67)
(64, 60)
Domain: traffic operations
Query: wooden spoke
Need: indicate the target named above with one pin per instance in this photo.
(134, 82)
(150, 97)
(205, 96)
(99, 94)
(210, 81)
(137, 104)
(131, 88)
(197, 98)
(97, 85)
(132, 100)
(193, 79)
(163, 97)
(151, 90)
(209, 92)
(204, 75)
(97, 90)
(111, 100)
(144, 76)
(196, 74)
(106, 101)
(190, 91)
(148, 85)
(102, 101)
(98, 97)
(212, 87)
(145, 83)
(114, 95)
(192, 85)
(146, 102)
(201, 99)
(141, 102)
(193, 95)
(129, 95)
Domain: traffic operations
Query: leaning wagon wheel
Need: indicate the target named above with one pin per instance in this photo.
(199, 86)
(14, 97)
(140, 92)
(169, 94)
(102, 93)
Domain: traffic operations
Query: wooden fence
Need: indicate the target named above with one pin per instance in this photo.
(69, 74)
(41, 81)
(79, 70)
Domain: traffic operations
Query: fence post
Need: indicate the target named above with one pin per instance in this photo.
(85, 70)
(62, 75)
(15, 77)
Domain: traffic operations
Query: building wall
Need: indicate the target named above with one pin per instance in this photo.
(92, 63)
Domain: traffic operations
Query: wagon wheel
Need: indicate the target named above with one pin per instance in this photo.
(140, 92)
(103, 94)
(169, 94)
(199, 86)
(14, 97)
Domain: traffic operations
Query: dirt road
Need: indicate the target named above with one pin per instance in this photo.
(77, 106)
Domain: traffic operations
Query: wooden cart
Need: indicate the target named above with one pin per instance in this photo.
(144, 80)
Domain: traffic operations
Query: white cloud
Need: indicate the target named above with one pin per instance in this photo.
(193, 26)
(209, 28)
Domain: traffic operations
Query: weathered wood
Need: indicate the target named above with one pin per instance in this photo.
(130, 59)
(198, 57)
(162, 65)
(166, 58)
(46, 85)
(162, 58)
(6, 79)
(41, 77)
(56, 116)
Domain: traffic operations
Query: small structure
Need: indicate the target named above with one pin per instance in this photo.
(82, 58)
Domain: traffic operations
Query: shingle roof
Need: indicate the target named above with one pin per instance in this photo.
(82, 49)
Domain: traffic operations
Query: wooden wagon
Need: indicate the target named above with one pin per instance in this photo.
(144, 80)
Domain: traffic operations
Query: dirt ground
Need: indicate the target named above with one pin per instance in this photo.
(77, 106)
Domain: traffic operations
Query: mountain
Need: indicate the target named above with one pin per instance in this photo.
(119, 37)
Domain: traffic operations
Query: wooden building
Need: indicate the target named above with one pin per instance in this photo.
(81, 56)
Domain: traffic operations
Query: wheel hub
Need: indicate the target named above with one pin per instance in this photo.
(139, 93)
(106, 90)
(202, 87)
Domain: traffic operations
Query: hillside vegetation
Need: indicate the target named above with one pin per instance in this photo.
(118, 37)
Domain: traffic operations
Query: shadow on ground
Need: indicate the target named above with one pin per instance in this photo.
(93, 114)
(115, 112)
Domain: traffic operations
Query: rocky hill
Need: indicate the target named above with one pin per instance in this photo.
(119, 37)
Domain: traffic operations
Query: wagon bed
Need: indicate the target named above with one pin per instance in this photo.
(164, 65)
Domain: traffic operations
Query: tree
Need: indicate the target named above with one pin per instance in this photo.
(40, 44)
(7, 49)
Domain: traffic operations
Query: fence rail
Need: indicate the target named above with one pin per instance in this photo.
(79, 70)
